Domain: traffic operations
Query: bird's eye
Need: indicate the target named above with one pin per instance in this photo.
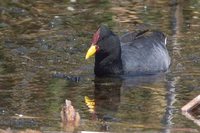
(97, 47)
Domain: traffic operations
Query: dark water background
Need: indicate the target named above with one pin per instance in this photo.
(40, 38)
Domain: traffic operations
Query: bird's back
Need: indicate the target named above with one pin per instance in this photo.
(144, 53)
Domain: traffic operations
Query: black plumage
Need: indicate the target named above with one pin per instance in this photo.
(141, 52)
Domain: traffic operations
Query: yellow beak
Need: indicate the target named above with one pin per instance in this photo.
(91, 51)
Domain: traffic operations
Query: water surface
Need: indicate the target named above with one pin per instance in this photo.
(40, 39)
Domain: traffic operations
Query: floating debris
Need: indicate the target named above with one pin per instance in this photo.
(192, 110)
(192, 105)
(70, 117)
(73, 1)
(56, 22)
(67, 77)
(70, 8)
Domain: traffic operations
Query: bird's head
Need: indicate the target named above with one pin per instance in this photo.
(102, 41)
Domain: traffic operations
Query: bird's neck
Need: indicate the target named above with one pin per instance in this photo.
(108, 64)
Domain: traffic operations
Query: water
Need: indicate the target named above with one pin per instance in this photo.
(40, 39)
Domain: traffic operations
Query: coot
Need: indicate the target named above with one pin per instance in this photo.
(135, 53)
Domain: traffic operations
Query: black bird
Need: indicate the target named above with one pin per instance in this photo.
(135, 53)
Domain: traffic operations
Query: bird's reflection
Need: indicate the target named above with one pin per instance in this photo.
(107, 96)
(109, 92)
(107, 99)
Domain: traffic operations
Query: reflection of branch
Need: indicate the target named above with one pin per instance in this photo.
(171, 98)
(177, 17)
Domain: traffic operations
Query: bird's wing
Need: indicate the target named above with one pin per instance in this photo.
(131, 36)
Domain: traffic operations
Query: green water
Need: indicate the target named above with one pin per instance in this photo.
(41, 38)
